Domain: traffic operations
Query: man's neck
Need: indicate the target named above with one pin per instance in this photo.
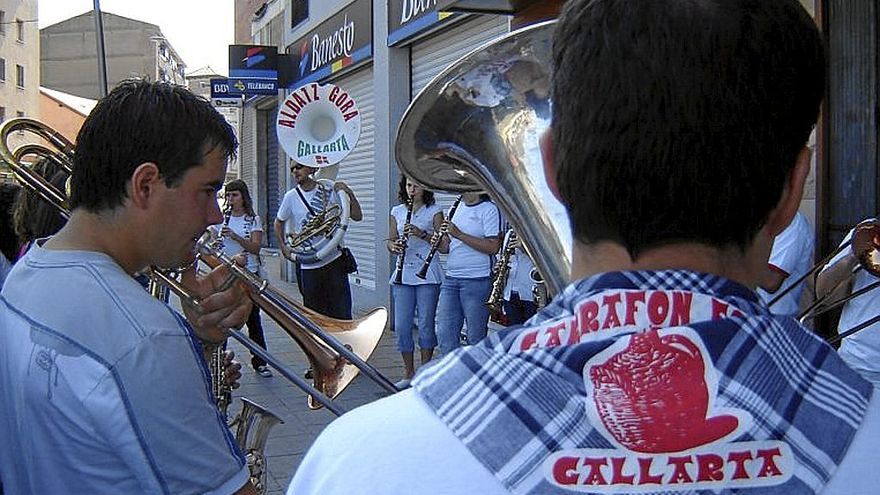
(730, 262)
(100, 233)
(308, 184)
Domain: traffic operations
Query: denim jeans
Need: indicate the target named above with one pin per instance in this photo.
(255, 332)
(406, 299)
(462, 299)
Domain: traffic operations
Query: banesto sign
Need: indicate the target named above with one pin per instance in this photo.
(401, 12)
(345, 36)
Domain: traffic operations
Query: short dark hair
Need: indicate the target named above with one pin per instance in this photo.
(141, 122)
(427, 196)
(240, 186)
(679, 120)
(35, 217)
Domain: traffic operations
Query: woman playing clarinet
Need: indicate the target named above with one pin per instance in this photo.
(412, 295)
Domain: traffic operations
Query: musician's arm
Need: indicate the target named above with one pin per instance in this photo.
(443, 245)
(279, 236)
(391, 243)
(355, 212)
(771, 279)
(251, 245)
(837, 277)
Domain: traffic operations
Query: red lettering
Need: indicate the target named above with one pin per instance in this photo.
(315, 95)
(587, 314)
(617, 476)
(680, 473)
(681, 308)
(565, 470)
(739, 459)
(287, 123)
(350, 115)
(333, 93)
(658, 307)
(529, 341)
(594, 477)
(645, 475)
(631, 299)
(299, 100)
(341, 100)
(710, 467)
(348, 104)
(719, 309)
(769, 468)
(611, 318)
(553, 339)
(292, 106)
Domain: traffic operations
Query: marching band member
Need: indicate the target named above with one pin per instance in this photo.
(519, 302)
(98, 378)
(474, 236)
(242, 236)
(678, 147)
(790, 259)
(410, 241)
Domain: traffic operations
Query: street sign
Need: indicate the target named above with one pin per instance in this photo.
(231, 88)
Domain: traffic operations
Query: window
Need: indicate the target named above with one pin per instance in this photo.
(2, 22)
(2, 114)
(2, 69)
(19, 114)
(19, 75)
(299, 11)
(19, 30)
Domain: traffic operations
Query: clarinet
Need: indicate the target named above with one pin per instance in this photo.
(435, 240)
(398, 276)
(216, 352)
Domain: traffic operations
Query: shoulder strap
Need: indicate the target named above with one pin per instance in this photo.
(303, 199)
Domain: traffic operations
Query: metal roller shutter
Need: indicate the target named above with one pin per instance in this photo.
(358, 171)
(273, 186)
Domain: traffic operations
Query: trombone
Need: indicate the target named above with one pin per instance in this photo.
(335, 353)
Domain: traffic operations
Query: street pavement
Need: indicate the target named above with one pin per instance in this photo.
(288, 442)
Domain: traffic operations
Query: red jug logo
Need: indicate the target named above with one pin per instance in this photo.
(652, 395)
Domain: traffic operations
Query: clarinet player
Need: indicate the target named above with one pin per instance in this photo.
(414, 297)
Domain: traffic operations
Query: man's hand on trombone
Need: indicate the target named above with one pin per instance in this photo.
(223, 303)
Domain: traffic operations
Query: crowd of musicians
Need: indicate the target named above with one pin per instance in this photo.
(675, 359)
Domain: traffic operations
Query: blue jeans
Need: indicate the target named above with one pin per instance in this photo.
(326, 289)
(462, 299)
(406, 299)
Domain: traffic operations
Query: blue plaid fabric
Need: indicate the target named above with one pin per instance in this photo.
(521, 401)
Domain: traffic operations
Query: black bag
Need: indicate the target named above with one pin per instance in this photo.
(348, 261)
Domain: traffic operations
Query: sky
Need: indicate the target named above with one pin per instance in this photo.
(199, 30)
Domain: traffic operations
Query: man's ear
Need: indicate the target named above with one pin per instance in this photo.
(548, 155)
(792, 193)
(144, 180)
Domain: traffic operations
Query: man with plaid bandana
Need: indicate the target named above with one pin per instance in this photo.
(678, 147)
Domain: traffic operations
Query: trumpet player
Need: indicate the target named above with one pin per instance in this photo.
(103, 389)
(413, 295)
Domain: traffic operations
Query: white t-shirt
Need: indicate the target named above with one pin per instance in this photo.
(479, 220)
(519, 278)
(792, 256)
(862, 349)
(397, 445)
(103, 388)
(294, 214)
(417, 249)
(243, 226)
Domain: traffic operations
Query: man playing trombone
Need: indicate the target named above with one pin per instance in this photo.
(678, 147)
(104, 389)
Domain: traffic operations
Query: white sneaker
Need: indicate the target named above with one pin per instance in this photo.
(264, 371)
(402, 384)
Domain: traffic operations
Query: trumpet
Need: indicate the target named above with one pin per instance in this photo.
(436, 238)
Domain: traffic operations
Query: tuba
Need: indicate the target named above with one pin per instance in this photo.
(476, 126)
(318, 126)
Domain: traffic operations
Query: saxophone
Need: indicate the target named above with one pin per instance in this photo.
(501, 271)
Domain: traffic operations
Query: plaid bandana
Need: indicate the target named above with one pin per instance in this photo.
(650, 382)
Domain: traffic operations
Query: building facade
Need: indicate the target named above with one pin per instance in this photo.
(134, 49)
(19, 59)
(64, 112)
